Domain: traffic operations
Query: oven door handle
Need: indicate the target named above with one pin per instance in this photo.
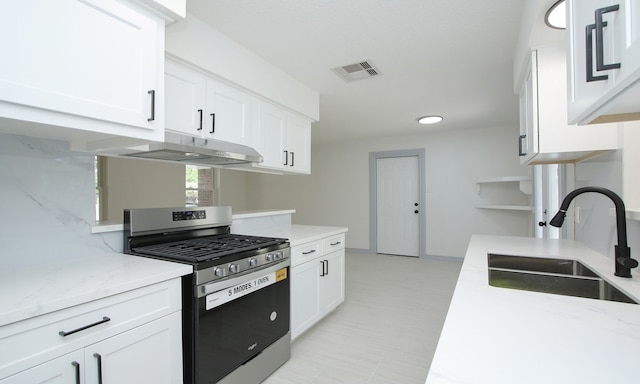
(206, 289)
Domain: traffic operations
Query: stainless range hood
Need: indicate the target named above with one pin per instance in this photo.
(194, 150)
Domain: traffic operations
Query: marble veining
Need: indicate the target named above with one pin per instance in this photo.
(47, 202)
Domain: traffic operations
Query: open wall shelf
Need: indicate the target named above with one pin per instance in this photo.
(524, 185)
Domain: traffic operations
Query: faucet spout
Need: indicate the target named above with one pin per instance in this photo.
(623, 261)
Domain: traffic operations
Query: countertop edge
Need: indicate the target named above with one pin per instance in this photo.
(538, 333)
(51, 288)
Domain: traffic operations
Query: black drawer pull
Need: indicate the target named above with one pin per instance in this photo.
(104, 320)
(336, 243)
(309, 252)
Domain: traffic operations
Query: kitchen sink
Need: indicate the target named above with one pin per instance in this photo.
(550, 275)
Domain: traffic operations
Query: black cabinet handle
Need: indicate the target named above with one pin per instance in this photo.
(598, 29)
(416, 211)
(286, 157)
(200, 126)
(589, 41)
(309, 252)
(213, 123)
(292, 158)
(76, 365)
(336, 243)
(104, 320)
(153, 105)
(520, 147)
(325, 268)
(97, 356)
(600, 24)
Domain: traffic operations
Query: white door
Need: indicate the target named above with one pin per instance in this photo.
(397, 206)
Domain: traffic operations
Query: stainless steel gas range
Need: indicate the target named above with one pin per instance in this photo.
(236, 303)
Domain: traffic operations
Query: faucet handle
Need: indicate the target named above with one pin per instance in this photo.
(627, 262)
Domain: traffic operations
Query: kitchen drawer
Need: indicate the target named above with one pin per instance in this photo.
(39, 338)
(333, 243)
(305, 252)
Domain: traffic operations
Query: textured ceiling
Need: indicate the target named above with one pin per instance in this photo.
(447, 57)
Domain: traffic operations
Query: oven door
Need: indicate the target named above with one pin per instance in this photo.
(238, 318)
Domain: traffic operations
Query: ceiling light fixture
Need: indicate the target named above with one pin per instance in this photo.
(429, 119)
(556, 16)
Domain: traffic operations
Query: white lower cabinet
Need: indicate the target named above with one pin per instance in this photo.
(317, 281)
(65, 369)
(133, 337)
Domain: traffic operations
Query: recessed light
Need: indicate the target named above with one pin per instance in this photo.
(556, 16)
(429, 119)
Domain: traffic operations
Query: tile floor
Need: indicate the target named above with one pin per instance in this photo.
(385, 332)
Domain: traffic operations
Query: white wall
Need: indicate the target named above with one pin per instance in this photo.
(337, 191)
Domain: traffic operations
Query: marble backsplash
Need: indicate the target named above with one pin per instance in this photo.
(597, 227)
(47, 203)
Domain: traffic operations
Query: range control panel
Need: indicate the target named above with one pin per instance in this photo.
(189, 215)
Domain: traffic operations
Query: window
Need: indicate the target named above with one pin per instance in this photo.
(98, 165)
(199, 186)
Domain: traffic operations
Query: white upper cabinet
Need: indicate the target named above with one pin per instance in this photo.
(91, 65)
(199, 105)
(545, 136)
(604, 60)
(283, 140)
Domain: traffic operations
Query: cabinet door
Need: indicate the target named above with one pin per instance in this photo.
(272, 125)
(298, 144)
(231, 113)
(528, 140)
(593, 90)
(92, 58)
(66, 369)
(332, 280)
(148, 354)
(584, 92)
(185, 99)
(305, 296)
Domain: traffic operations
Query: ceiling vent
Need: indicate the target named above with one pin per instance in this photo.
(357, 71)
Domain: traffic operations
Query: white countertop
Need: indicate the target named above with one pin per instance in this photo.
(41, 289)
(299, 234)
(497, 335)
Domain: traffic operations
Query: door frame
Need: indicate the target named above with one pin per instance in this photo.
(373, 196)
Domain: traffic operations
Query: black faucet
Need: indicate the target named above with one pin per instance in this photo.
(622, 257)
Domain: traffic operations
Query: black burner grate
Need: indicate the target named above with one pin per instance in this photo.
(205, 248)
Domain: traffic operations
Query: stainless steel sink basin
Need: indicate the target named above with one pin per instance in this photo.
(549, 275)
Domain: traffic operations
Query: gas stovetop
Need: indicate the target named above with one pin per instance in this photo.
(207, 248)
